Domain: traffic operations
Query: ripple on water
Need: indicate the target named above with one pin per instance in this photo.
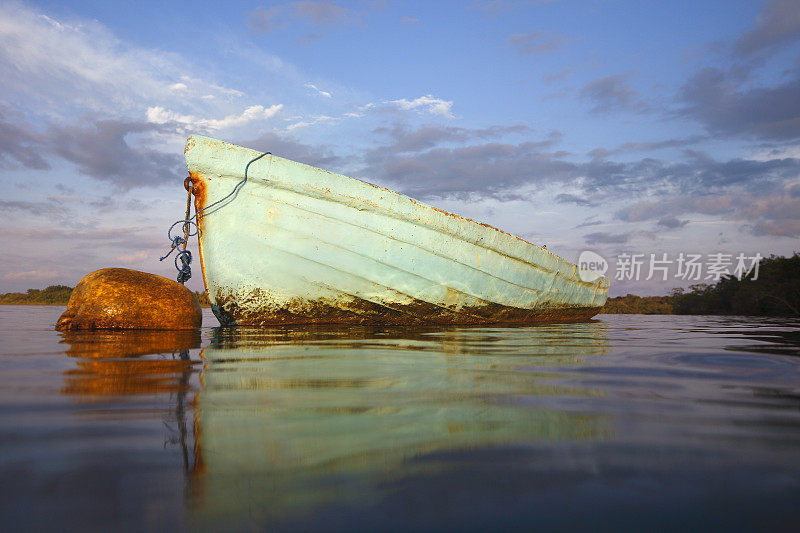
(687, 421)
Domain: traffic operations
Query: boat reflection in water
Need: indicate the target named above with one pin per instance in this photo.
(292, 420)
(666, 421)
(288, 421)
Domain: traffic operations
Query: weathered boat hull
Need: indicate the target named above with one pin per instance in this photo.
(301, 245)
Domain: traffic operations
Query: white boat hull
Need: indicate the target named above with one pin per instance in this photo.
(301, 245)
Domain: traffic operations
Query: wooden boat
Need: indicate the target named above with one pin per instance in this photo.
(296, 244)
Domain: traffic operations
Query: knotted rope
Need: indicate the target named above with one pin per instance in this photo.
(184, 255)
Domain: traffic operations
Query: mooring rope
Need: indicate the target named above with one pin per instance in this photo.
(184, 255)
(236, 188)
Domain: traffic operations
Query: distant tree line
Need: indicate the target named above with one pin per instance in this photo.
(52, 295)
(202, 297)
(774, 291)
(59, 295)
(639, 305)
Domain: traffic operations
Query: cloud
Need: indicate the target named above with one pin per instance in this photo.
(266, 19)
(770, 213)
(495, 7)
(612, 93)
(489, 169)
(589, 221)
(717, 100)
(773, 214)
(424, 137)
(537, 42)
(102, 150)
(19, 143)
(703, 172)
(324, 12)
(672, 222)
(427, 103)
(134, 258)
(41, 274)
(315, 13)
(439, 162)
(709, 204)
(36, 47)
(654, 145)
(159, 115)
(601, 237)
(416, 161)
(558, 76)
(784, 228)
(319, 91)
(565, 198)
(38, 208)
(311, 121)
(61, 65)
(291, 148)
(777, 24)
(697, 174)
(125, 236)
(65, 211)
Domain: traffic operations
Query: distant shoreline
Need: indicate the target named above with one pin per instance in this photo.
(32, 303)
(771, 289)
(59, 295)
(64, 304)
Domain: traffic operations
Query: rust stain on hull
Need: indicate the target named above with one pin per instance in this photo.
(200, 195)
(305, 246)
(256, 310)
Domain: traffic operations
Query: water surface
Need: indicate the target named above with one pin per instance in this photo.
(627, 421)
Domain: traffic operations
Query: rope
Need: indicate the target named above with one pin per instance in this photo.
(184, 255)
(236, 188)
(184, 271)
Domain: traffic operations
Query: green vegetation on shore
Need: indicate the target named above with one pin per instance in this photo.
(639, 305)
(59, 295)
(776, 292)
(52, 295)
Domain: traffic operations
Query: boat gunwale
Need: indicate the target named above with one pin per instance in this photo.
(326, 194)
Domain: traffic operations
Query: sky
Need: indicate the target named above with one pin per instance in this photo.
(629, 129)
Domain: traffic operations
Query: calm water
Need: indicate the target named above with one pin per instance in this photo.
(622, 422)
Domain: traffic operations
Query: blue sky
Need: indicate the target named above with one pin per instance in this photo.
(611, 126)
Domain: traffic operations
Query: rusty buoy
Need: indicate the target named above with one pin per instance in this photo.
(120, 298)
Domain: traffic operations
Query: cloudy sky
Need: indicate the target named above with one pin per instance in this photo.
(610, 126)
